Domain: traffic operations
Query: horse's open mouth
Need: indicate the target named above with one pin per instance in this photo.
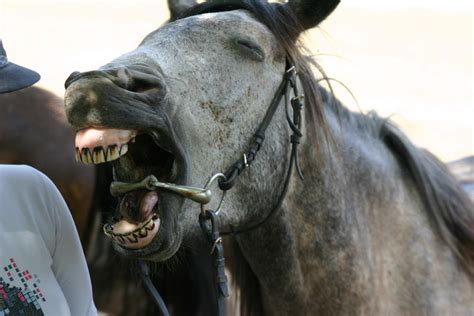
(134, 156)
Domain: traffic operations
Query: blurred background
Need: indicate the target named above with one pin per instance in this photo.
(410, 60)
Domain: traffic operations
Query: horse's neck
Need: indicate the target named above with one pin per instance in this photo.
(308, 247)
(334, 245)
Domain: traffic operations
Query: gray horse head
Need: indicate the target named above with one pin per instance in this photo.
(183, 106)
(189, 102)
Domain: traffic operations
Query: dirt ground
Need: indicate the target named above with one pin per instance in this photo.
(413, 64)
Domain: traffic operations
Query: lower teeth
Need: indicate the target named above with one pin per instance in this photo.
(131, 237)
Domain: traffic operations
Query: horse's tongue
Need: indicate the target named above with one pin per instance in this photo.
(147, 204)
(139, 231)
(92, 137)
(139, 207)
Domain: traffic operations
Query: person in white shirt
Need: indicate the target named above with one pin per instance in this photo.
(43, 270)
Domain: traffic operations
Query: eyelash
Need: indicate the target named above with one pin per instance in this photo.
(252, 48)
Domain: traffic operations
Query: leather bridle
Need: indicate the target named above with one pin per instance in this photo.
(208, 219)
(287, 85)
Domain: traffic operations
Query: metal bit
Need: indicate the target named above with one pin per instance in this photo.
(199, 195)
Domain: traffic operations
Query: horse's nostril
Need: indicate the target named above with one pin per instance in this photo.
(134, 79)
(142, 85)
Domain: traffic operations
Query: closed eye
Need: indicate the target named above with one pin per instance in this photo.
(251, 49)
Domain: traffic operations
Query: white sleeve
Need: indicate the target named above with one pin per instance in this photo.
(69, 264)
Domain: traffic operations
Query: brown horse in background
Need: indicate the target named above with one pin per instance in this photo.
(34, 131)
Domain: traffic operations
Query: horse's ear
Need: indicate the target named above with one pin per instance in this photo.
(312, 12)
(178, 7)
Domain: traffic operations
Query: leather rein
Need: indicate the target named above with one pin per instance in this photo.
(208, 219)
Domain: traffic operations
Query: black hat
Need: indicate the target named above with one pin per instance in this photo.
(14, 77)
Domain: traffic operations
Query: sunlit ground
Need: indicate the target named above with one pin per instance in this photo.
(411, 60)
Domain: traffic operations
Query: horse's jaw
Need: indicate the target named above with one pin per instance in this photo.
(145, 224)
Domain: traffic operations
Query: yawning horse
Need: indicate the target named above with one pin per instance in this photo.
(333, 212)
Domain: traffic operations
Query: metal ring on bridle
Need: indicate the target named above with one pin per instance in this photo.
(246, 163)
(208, 183)
(298, 97)
(214, 244)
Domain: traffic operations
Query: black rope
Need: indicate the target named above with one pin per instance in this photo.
(155, 295)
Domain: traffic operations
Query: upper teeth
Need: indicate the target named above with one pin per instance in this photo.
(100, 154)
(97, 145)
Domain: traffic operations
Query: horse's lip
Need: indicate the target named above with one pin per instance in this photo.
(137, 237)
(150, 253)
(103, 137)
(99, 145)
